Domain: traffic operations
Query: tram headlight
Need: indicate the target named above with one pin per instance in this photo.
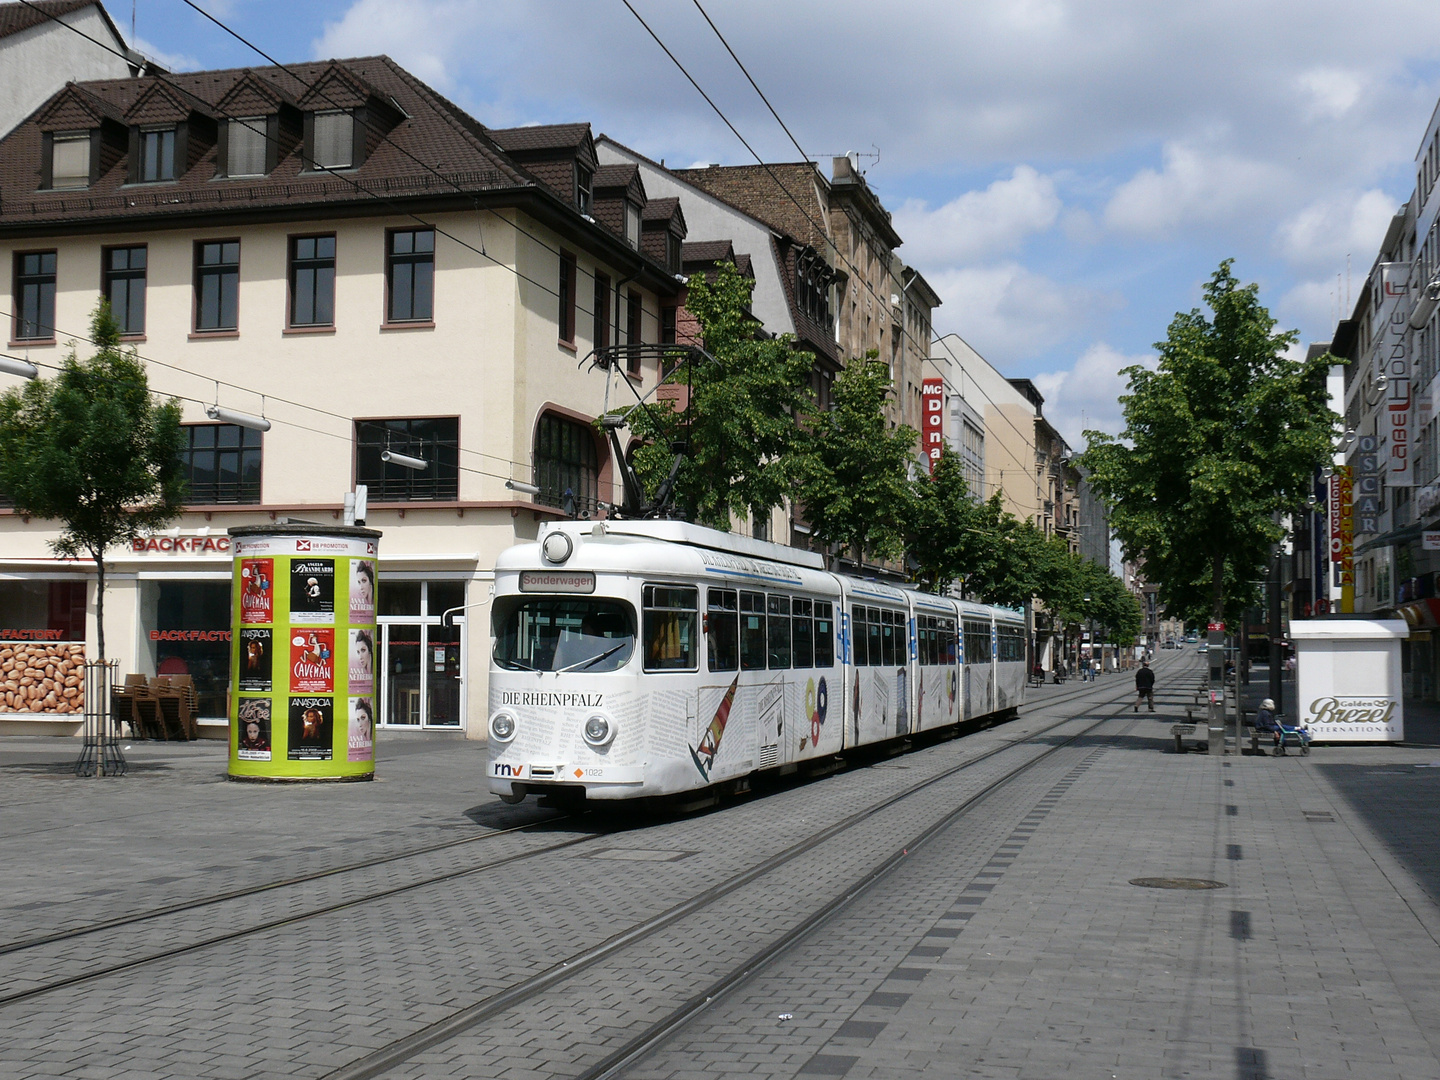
(557, 547)
(598, 730)
(502, 727)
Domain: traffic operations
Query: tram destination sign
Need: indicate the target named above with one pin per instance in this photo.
(557, 581)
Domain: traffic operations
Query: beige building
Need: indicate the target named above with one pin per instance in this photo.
(287, 250)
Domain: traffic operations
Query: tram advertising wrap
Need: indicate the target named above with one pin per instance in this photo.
(302, 693)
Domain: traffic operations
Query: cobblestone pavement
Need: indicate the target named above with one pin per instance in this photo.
(1009, 945)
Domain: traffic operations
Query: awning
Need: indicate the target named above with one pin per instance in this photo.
(1394, 536)
(1421, 614)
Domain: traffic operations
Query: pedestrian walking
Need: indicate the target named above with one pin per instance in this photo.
(1144, 686)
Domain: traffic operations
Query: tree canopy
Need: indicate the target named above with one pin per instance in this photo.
(91, 449)
(1219, 441)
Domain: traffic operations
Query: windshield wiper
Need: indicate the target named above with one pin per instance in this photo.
(515, 665)
(594, 659)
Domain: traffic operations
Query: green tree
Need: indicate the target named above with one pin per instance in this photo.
(943, 535)
(1003, 562)
(1219, 441)
(854, 475)
(91, 449)
(740, 429)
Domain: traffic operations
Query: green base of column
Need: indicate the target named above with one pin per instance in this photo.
(241, 779)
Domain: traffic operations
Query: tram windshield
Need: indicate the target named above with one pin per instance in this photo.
(551, 633)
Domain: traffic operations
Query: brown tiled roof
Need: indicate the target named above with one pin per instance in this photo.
(615, 176)
(761, 192)
(432, 135)
(540, 137)
(661, 209)
(698, 251)
(745, 264)
(17, 17)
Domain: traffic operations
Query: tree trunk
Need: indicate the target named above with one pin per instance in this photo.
(99, 557)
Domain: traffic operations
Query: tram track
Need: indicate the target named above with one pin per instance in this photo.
(385, 1059)
(93, 974)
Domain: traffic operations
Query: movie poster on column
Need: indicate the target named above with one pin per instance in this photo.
(360, 744)
(361, 659)
(312, 729)
(362, 591)
(312, 661)
(312, 591)
(257, 590)
(255, 656)
(253, 741)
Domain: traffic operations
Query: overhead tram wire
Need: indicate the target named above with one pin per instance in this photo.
(925, 350)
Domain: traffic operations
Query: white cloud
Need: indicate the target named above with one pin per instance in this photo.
(427, 38)
(1193, 189)
(1319, 303)
(1008, 312)
(1348, 223)
(1086, 396)
(168, 60)
(979, 224)
(1332, 92)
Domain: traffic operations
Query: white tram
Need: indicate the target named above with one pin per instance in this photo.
(634, 659)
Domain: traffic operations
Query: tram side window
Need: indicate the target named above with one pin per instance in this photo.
(977, 643)
(722, 638)
(947, 641)
(803, 648)
(752, 631)
(890, 638)
(669, 627)
(859, 635)
(875, 634)
(779, 632)
(925, 638)
(824, 634)
(1011, 644)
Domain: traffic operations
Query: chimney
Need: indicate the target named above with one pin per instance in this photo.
(840, 168)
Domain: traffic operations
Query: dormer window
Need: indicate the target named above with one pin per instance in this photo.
(246, 154)
(70, 160)
(333, 141)
(632, 225)
(584, 189)
(672, 252)
(157, 155)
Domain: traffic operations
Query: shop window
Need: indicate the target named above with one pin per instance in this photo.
(398, 598)
(312, 281)
(39, 611)
(221, 463)
(191, 636)
(410, 275)
(35, 295)
(669, 628)
(434, 440)
(124, 272)
(217, 285)
(567, 465)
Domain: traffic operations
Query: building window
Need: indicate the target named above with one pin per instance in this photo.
(566, 291)
(42, 610)
(217, 284)
(157, 155)
(602, 311)
(584, 188)
(672, 252)
(632, 331)
(70, 160)
(567, 466)
(35, 295)
(124, 272)
(221, 464)
(312, 281)
(632, 225)
(333, 140)
(246, 142)
(410, 275)
(434, 440)
(667, 325)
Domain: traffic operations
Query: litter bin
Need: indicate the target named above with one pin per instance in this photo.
(302, 659)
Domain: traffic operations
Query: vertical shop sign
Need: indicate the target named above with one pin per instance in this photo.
(1396, 417)
(1342, 536)
(1365, 480)
(932, 422)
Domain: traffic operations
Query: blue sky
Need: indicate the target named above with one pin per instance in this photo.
(1067, 175)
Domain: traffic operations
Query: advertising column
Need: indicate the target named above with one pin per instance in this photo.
(302, 683)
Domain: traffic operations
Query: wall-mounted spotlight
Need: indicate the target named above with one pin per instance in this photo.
(390, 457)
(240, 419)
(522, 487)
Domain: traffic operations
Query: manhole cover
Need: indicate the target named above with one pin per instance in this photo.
(1177, 883)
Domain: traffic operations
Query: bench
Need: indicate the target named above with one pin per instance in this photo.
(1182, 732)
